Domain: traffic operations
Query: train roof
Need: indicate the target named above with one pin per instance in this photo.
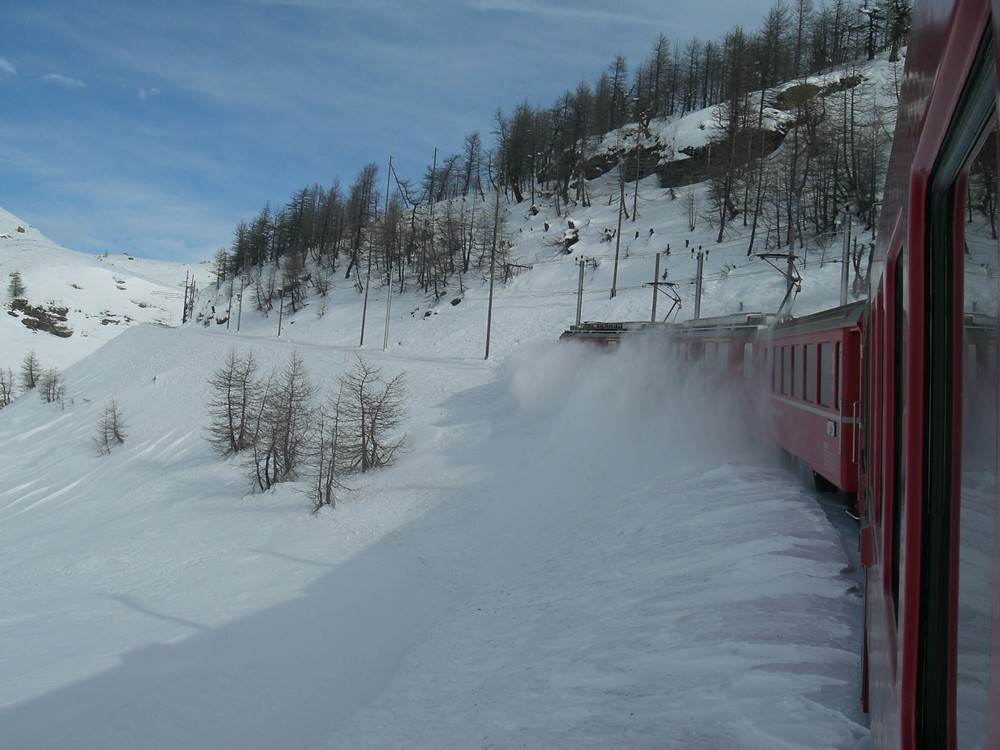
(835, 317)
(751, 322)
(737, 321)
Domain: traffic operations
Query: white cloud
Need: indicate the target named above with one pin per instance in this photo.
(574, 12)
(6, 67)
(145, 94)
(70, 83)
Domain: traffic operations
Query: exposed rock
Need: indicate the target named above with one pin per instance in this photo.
(49, 320)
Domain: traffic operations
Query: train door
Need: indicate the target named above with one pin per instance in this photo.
(955, 642)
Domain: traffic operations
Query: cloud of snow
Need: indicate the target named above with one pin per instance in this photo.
(632, 409)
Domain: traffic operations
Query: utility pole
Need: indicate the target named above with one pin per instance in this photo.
(493, 265)
(532, 159)
(791, 258)
(656, 288)
(194, 290)
(644, 118)
(618, 234)
(239, 310)
(388, 262)
(368, 282)
(845, 266)
(697, 288)
(579, 294)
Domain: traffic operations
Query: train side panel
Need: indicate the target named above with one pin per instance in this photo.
(929, 464)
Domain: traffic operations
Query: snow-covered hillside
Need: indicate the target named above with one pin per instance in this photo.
(579, 550)
(101, 296)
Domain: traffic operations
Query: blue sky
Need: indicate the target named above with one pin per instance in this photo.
(154, 127)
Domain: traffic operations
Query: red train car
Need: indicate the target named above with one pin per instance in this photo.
(929, 492)
(811, 392)
(724, 346)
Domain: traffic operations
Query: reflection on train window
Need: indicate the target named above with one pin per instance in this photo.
(811, 373)
(979, 446)
(826, 373)
(797, 371)
(835, 369)
(776, 369)
(786, 370)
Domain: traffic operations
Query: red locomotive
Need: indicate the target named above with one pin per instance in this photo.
(895, 399)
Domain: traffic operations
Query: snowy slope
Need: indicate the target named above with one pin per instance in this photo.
(103, 295)
(578, 552)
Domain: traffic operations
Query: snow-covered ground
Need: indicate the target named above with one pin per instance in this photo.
(578, 550)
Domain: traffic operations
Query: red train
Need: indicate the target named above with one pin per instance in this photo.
(895, 399)
(805, 372)
(928, 470)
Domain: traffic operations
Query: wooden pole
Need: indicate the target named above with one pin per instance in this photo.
(697, 289)
(388, 264)
(656, 289)
(618, 234)
(493, 263)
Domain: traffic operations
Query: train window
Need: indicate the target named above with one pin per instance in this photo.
(777, 369)
(797, 371)
(748, 369)
(811, 373)
(837, 359)
(772, 371)
(826, 373)
(962, 393)
(786, 370)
